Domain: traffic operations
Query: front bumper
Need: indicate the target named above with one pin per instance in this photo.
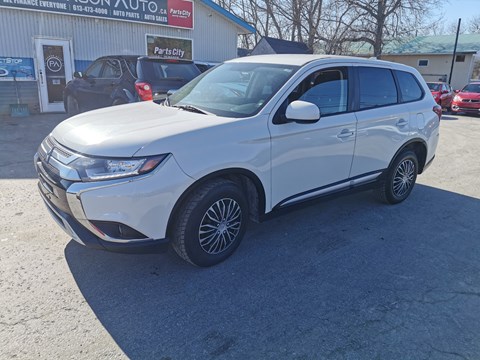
(471, 107)
(83, 236)
(126, 214)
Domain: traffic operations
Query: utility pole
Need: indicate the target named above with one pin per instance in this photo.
(454, 52)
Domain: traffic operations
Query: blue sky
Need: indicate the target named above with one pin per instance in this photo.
(465, 9)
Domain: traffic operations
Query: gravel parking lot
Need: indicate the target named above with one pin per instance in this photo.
(344, 279)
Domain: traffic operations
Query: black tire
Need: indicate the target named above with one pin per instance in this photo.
(72, 106)
(220, 238)
(400, 178)
(118, 101)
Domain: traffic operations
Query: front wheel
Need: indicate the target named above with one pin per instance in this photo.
(211, 223)
(400, 178)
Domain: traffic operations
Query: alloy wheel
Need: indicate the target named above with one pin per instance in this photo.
(220, 226)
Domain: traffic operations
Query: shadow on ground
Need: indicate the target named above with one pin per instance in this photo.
(348, 278)
(19, 140)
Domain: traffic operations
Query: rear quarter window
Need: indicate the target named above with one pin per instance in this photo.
(409, 87)
(132, 66)
(157, 70)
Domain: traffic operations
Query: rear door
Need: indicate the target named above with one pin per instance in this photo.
(104, 86)
(383, 122)
(99, 82)
(86, 90)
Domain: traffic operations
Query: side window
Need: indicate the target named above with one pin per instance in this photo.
(328, 89)
(112, 69)
(377, 87)
(132, 66)
(409, 87)
(94, 70)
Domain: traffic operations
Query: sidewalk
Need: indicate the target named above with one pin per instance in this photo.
(19, 140)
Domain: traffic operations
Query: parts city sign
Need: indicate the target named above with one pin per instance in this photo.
(176, 13)
(169, 48)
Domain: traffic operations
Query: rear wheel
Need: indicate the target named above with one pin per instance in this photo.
(72, 106)
(211, 223)
(400, 178)
(118, 101)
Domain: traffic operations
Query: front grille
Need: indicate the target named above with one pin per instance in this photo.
(53, 193)
(41, 153)
(62, 151)
(472, 109)
(50, 168)
(471, 101)
(49, 142)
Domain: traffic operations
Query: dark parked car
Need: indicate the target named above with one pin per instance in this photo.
(204, 66)
(442, 93)
(468, 99)
(121, 79)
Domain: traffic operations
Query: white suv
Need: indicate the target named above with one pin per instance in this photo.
(242, 140)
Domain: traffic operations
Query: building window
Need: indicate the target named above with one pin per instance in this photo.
(422, 63)
(460, 58)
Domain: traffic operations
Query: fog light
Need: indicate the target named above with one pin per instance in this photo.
(117, 230)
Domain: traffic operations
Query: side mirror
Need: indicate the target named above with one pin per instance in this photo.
(78, 75)
(302, 112)
(445, 92)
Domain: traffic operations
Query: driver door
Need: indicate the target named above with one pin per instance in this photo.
(308, 160)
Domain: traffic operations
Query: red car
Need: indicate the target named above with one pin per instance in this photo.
(468, 99)
(442, 93)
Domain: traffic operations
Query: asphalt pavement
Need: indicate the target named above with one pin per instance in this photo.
(349, 278)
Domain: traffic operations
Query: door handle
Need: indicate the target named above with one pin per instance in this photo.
(40, 75)
(345, 133)
(402, 123)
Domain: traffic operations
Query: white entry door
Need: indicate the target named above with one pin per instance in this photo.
(55, 69)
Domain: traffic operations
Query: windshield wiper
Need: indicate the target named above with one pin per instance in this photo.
(191, 108)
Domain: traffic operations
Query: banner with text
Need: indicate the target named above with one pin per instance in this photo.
(22, 69)
(169, 48)
(176, 13)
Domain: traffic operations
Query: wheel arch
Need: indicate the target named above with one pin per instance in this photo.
(246, 179)
(419, 147)
(121, 93)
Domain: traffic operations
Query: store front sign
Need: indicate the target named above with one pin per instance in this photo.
(14, 67)
(169, 48)
(176, 13)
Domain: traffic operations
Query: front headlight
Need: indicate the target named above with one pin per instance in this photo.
(457, 98)
(97, 169)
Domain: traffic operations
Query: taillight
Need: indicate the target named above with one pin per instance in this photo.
(144, 91)
(437, 109)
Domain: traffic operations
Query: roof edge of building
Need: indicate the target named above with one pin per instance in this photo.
(235, 19)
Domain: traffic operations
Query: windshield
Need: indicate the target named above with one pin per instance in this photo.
(473, 88)
(434, 87)
(234, 89)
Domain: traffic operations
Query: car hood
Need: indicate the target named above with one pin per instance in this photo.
(469, 95)
(124, 130)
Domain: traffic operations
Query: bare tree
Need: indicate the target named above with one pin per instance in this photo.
(334, 24)
(381, 20)
(474, 25)
(452, 28)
